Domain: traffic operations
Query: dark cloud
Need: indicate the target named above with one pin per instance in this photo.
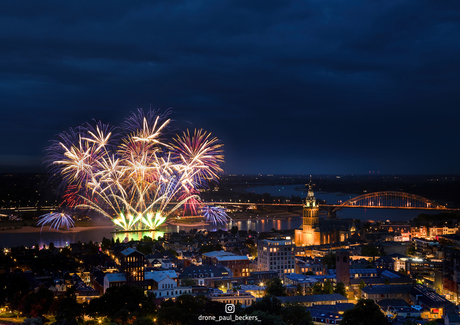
(289, 86)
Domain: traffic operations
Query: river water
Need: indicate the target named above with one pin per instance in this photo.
(257, 223)
(337, 198)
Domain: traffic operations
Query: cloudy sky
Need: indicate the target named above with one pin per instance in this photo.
(290, 87)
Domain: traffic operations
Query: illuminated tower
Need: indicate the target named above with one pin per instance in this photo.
(310, 220)
(310, 210)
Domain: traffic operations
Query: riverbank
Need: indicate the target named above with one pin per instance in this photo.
(200, 222)
(10, 320)
(188, 224)
(29, 229)
(264, 215)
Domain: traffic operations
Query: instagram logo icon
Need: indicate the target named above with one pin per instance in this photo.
(229, 308)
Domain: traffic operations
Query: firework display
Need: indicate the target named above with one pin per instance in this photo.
(215, 215)
(135, 175)
(56, 220)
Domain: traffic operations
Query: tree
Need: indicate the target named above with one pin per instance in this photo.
(210, 248)
(147, 239)
(269, 310)
(361, 286)
(341, 289)
(185, 310)
(143, 321)
(323, 288)
(268, 304)
(66, 309)
(275, 287)
(189, 304)
(171, 315)
(370, 250)
(411, 250)
(253, 251)
(299, 290)
(328, 288)
(216, 308)
(264, 318)
(329, 261)
(250, 242)
(145, 249)
(295, 313)
(36, 304)
(317, 288)
(106, 243)
(234, 230)
(66, 251)
(93, 248)
(365, 312)
(187, 282)
(122, 304)
(14, 288)
(262, 235)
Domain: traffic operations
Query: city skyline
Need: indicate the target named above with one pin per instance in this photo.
(289, 88)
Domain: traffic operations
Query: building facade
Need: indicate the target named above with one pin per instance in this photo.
(164, 285)
(114, 280)
(243, 298)
(132, 263)
(319, 231)
(276, 255)
(238, 264)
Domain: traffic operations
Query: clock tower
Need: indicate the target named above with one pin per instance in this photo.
(310, 220)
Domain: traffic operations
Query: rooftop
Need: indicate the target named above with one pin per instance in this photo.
(232, 258)
(115, 277)
(387, 289)
(218, 253)
(337, 308)
(278, 241)
(384, 303)
(313, 298)
(429, 298)
(157, 276)
(128, 251)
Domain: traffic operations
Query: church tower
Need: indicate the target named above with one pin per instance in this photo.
(310, 210)
(342, 267)
(310, 220)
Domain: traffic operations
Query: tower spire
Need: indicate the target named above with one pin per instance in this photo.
(310, 201)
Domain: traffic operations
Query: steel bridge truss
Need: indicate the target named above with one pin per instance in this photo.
(391, 200)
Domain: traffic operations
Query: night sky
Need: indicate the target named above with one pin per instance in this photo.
(290, 87)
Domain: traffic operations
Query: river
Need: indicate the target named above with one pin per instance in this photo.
(260, 223)
(335, 198)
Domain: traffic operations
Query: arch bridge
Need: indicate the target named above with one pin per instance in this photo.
(388, 200)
